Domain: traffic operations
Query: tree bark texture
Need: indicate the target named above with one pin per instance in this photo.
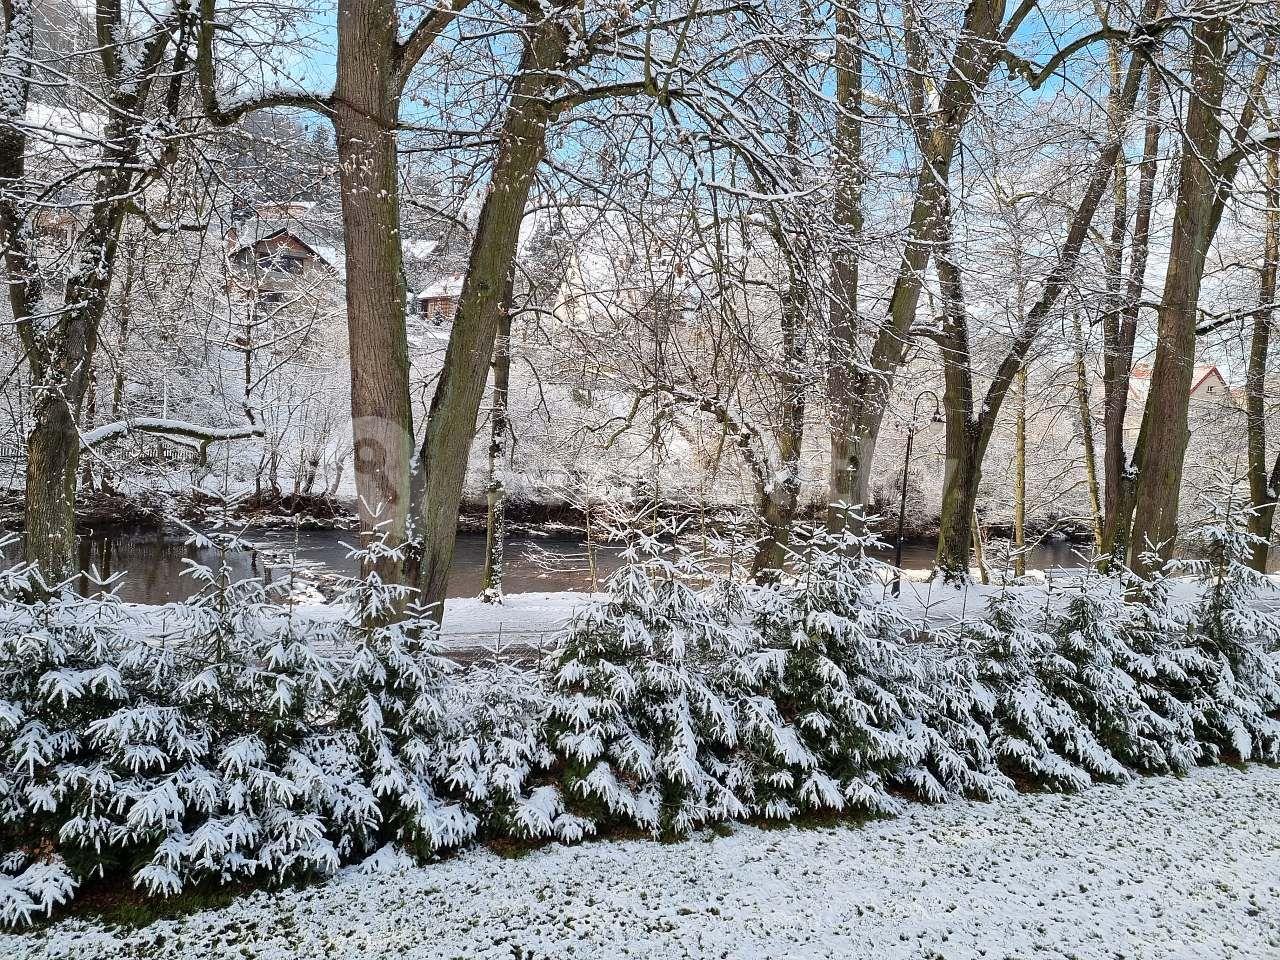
(1264, 478)
(499, 426)
(451, 420)
(1162, 441)
(365, 108)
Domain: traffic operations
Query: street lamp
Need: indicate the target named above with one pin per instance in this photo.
(906, 467)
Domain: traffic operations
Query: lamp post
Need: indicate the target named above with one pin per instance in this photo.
(906, 467)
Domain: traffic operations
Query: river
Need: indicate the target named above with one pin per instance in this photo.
(149, 564)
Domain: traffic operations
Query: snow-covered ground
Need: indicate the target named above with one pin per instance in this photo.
(1160, 868)
(532, 621)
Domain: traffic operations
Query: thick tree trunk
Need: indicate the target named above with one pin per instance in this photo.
(1119, 334)
(959, 501)
(1264, 478)
(365, 106)
(499, 425)
(1162, 442)
(451, 421)
(843, 345)
(777, 510)
(53, 457)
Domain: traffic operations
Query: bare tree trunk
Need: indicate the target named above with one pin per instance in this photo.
(780, 491)
(372, 69)
(843, 345)
(1020, 478)
(959, 501)
(964, 443)
(969, 429)
(780, 494)
(88, 421)
(1119, 335)
(126, 310)
(66, 354)
(365, 108)
(1264, 483)
(60, 342)
(1086, 434)
(982, 41)
(1162, 442)
(499, 425)
(777, 510)
(451, 421)
(979, 549)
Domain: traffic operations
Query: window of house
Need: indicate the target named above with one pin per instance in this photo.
(438, 310)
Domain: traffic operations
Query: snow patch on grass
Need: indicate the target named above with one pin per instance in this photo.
(1157, 868)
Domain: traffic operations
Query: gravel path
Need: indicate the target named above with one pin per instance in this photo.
(1159, 868)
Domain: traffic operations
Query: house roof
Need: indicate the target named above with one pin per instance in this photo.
(71, 130)
(419, 249)
(446, 287)
(257, 230)
(1140, 379)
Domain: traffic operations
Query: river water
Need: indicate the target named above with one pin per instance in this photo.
(149, 564)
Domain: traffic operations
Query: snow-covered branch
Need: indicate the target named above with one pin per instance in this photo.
(174, 429)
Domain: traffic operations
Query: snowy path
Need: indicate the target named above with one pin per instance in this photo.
(1158, 869)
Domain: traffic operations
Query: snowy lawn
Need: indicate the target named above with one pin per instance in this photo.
(1160, 868)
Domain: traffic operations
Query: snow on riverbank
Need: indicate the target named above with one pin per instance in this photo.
(532, 620)
(1160, 868)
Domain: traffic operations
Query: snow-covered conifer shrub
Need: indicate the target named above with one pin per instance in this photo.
(249, 801)
(644, 734)
(1109, 667)
(53, 682)
(197, 752)
(392, 715)
(499, 757)
(31, 888)
(950, 724)
(61, 685)
(1235, 695)
(1036, 734)
(833, 684)
(1167, 657)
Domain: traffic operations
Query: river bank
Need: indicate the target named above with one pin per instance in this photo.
(156, 507)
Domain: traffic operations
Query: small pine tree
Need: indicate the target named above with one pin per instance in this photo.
(1235, 700)
(30, 888)
(833, 685)
(392, 712)
(58, 679)
(1166, 658)
(244, 799)
(645, 735)
(950, 725)
(1035, 733)
(1110, 683)
(499, 758)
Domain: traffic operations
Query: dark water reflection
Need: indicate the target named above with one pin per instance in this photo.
(151, 562)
